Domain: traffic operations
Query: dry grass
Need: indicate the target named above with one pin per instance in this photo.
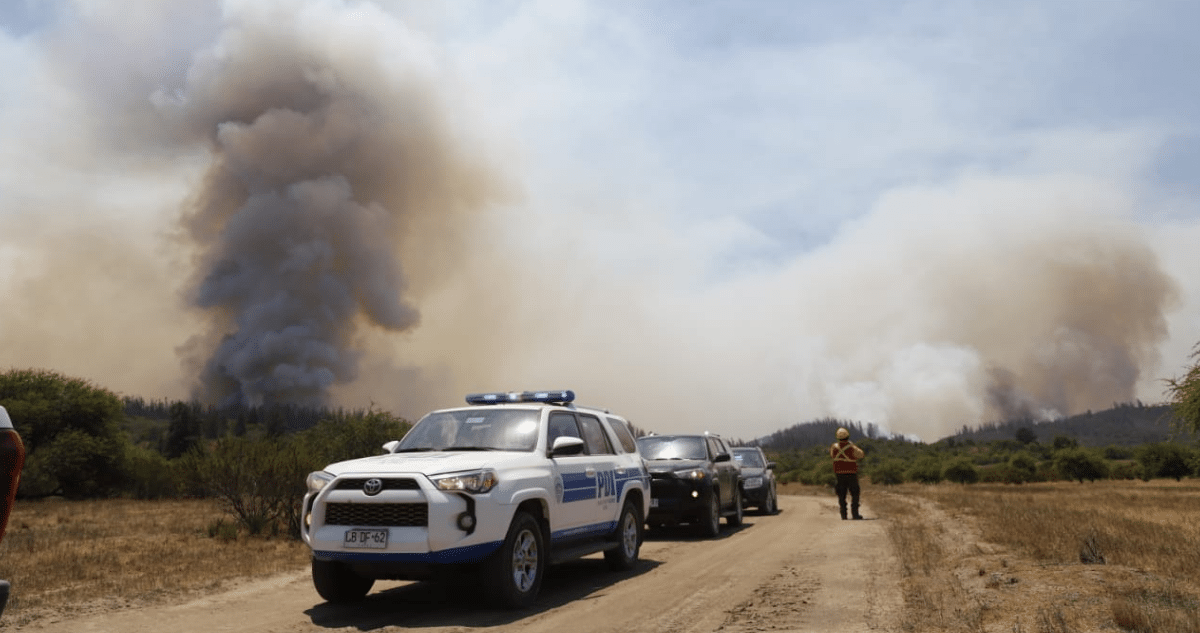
(1051, 558)
(92, 554)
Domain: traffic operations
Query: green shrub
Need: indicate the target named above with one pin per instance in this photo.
(961, 471)
(888, 473)
(926, 470)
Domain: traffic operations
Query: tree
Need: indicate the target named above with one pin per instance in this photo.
(1025, 435)
(1079, 464)
(1062, 442)
(1185, 395)
(1022, 468)
(71, 430)
(1165, 460)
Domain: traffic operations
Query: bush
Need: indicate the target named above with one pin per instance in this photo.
(961, 471)
(1165, 460)
(926, 470)
(888, 473)
(1022, 468)
(1079, 464)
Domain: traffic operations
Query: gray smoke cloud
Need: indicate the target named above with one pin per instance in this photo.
(327, 144)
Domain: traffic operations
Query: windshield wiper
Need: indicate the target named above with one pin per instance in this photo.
(415, 449)
(470, 448)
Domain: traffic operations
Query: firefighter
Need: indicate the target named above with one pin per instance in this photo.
(845, 467)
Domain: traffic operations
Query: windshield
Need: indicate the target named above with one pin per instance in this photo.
(752, 459)
(654, 447)
(483, 429)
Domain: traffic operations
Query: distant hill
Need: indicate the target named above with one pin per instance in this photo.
(1131, 424)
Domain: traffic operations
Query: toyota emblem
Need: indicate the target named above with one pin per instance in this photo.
(372, 487)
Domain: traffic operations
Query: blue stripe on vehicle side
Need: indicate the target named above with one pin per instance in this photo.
(468, 554)
(628, 478)
(595, 529)
(578, 487)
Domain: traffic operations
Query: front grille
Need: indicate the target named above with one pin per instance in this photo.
(377, 514)
(403, 483)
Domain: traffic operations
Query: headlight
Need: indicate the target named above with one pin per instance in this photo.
(691, 473)
(476, 482)
(317, 481)
(753, 482)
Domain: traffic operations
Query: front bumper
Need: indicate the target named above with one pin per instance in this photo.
(674, 500)
(423, 525)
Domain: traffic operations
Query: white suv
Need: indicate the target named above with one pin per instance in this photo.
(506, 486)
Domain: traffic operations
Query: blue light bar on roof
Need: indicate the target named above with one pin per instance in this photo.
(555, 397)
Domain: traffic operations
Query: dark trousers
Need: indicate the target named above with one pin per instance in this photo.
(848, 482)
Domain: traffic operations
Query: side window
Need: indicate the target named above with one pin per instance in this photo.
(593, 434)
(561, 425)
(714, 448)
(624, 435)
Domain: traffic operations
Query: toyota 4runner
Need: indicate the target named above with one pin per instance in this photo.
(502, 487)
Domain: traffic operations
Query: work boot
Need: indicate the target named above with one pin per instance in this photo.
(857, 517)
(854, 513)
(843, 510)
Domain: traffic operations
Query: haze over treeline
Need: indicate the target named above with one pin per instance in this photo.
(351, 204)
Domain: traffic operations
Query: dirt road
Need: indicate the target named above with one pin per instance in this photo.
(803, 569)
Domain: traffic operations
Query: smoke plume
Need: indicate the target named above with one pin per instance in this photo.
(328, 148)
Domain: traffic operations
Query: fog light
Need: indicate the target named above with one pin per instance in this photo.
(695, 494)
(466, 522)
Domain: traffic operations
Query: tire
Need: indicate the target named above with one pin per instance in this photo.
(772, 505)
(335, 582)
(735, 519)
(629, 535)
(710, 525)
(514, 573)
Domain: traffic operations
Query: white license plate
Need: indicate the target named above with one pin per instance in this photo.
(371, 539)
(653, 503)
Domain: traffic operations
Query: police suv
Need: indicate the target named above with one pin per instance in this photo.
(503, 487)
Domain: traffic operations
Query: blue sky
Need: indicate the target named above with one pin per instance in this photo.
(736, 216)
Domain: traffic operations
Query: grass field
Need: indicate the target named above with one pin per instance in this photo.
(1045, 558)
(79, 555)
(1051, 558)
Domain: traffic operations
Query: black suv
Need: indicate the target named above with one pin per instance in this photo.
(694, 480)
(758, 479)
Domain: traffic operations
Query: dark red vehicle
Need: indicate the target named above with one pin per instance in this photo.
(12, 458)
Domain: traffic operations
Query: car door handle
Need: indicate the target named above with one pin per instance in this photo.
(590, 472)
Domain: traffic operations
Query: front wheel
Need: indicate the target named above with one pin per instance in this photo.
(771, 506)
(335, 582)
(735, 519)
(710, 524)
(629, 536)
(515, 572)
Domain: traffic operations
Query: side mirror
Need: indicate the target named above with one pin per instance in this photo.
(770, 465)
(390, 447)
(722, 457)
(566, 445)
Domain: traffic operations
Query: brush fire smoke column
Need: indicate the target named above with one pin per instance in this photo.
(327, 144)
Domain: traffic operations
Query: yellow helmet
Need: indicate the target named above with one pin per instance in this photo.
(843, 434)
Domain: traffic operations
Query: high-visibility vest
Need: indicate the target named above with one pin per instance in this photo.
(845, 457)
